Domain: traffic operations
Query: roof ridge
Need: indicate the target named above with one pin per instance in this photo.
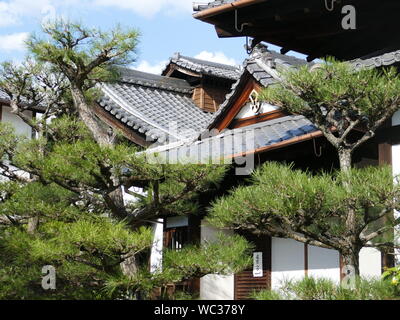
(377, 59)
(262, 51)
(206, 67)
(146, 79)
(155, 85)
(210, 63)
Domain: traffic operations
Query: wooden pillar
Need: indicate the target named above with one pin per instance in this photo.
(385, 158)
(194, 237)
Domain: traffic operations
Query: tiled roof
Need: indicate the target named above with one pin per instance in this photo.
(4, 98)
(239, 141)
(378, 60)
(203, 67)
(151, 104)
(262, 65)
(213, 4)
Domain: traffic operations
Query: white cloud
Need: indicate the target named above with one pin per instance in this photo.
(218, 57)
(148, 8)
(13, 42)
(156, 68)
(14, 11)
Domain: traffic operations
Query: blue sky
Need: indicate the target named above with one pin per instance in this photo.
(166, 26)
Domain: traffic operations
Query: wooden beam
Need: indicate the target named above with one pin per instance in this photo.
(239, 123)
(306, 259)
(249, 86)
(111, 121)
(306, 26)
(389, 135)
(174, 68)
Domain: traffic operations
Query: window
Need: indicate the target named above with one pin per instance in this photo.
(176, 238)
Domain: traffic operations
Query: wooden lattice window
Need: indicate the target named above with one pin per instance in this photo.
(176, 238)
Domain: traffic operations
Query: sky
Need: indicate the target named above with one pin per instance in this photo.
(166, 27)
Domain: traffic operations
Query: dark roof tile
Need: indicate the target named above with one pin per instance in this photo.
(214, 4)
(239, 141)
(151, 104)
(377, 60)
(206, 67)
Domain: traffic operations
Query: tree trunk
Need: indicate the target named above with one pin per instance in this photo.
(99, 133)
(350, 255)
(33, 224)
(345, 159)
(115, 199)
(351, 264)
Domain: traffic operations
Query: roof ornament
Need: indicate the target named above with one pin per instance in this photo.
(197, 6)
(176, 56)
(255, 104)
(259, 50)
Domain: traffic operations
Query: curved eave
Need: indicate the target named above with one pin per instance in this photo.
(38, 109)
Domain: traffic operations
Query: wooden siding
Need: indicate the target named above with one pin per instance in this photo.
(198, 96)
(208, 97)
(213, 98)
(245, 283)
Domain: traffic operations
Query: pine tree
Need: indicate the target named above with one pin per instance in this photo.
(61, 198)
(343, 211)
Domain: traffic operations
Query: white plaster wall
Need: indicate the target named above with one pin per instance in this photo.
(324, 263)
(287, 261)
(20, 127)
(157, 248)
(176, 222)
(247, 112)
(370, 263)
(215, 287)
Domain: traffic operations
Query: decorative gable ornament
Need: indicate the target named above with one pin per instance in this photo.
(255, 104)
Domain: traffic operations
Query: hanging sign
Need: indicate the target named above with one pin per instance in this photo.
(258, 265)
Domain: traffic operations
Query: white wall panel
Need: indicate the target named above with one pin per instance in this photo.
(323, 263)
(157, 248)
(215, 287)
(370, 263)
(396, 119)
(20, 127)
(287, 261)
